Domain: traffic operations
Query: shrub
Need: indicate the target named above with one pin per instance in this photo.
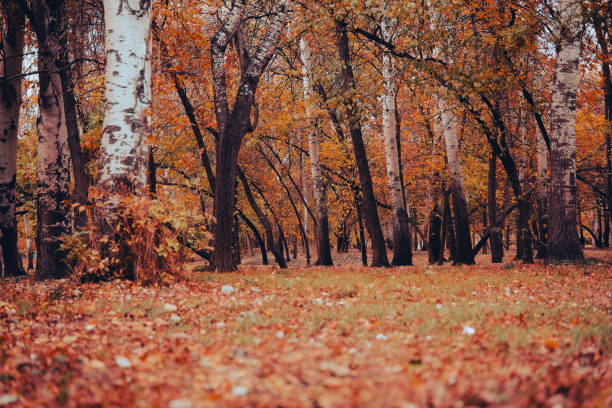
(134, 237)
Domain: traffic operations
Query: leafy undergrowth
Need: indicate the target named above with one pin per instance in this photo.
(504, 335)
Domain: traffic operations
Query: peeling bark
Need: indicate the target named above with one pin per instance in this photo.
(324, 250)
(12, 28)
(402, 251)
(126, 127)
(232, 127)
(53, 166)
(564, 242)
(463, 241)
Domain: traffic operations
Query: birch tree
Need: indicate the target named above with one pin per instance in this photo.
(402, 250)
(463, 240)
(126, 127)
(233, 125)
(12, 27)
(324, 251)
(53, 164)
(563, 242)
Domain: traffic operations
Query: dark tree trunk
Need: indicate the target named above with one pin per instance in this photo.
(496, 239)
(370, 211)
(295, 209)
(362, 244)
(485, 246)
(542, 229)
(232, 127)
(275, 247)
(81, 180)
(258, 238)
(602, 31)
(435, 243)
(152, 174)
(448, 225)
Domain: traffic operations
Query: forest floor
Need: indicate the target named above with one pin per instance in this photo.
(484, 335)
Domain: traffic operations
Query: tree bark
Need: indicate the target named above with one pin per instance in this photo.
(542, 196)
(362, 243)
(232, 127)
(496, 239)
(563, 242)
(126, 127)
(370, 212)
(402, 251)
(12, 26)
(53, 167)
(274, 246)
(324, 250)
(463, 241)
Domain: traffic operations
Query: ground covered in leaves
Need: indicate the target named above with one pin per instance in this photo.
(504, 335)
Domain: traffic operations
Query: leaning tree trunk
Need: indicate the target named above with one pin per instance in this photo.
(370, 211)
(402, 251)
(463, 241)
(12, 27)
(315, 161)
(563, 242)
(53, 167)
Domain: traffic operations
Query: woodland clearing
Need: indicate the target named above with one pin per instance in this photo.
(484, 335)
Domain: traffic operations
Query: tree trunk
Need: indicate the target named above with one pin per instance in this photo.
(232, 127)
(434, 234)
(274, 246)
(81, 180)
(258, 238)
(402, 251)
(324, 250)
(53, 168)
(370, 211)
(12, 25)
(463, 251)
(449, 233)
(602, 31)
(563, 242)
(362, 244)
(497, 245)
(124, 147)
(542, 195)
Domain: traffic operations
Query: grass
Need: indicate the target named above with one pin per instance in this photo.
(316, 336)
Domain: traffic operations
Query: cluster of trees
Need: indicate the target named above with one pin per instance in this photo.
(385, 123)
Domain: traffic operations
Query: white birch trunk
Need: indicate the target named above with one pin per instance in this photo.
(12, 26)
(563, 241)
(402, 254)
(126, 126)
(324, 252)
(53, 168)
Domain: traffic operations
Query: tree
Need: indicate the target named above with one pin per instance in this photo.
(53, 167)
(463, 239)
(368, 203)
(315, 160)
(563, 242)
(124, 146)
(12, 28)
(402, 250)
(233, 126)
